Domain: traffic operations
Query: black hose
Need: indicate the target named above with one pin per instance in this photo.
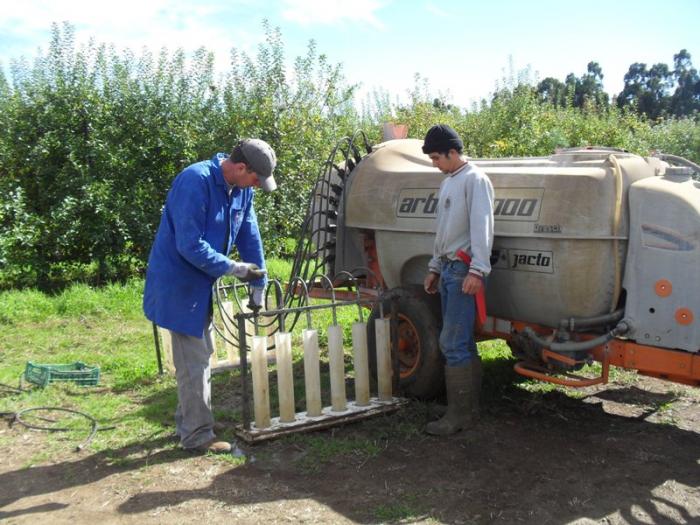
(577, 346)
(11, 389)
(679, 160)
(158, 352)
(316, 244)
(93, 429)
(572, 323)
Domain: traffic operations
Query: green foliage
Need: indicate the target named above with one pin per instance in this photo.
(300, 114)
(518, 122)
(102, 327)
(33, 306)
(105, 327)
(321, 449)
(679, 137)
(575, 91)
(686, 98)
(408, 508)
(659, 91)
(90, 139)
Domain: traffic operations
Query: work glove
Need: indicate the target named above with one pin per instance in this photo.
(246, 272)
(256, 297)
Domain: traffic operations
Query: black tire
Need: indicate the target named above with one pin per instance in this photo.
(420, 361)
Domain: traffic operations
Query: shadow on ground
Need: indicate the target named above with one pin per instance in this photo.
(30, 482)
(533, 458)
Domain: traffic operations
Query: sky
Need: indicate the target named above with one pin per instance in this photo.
(462, 48)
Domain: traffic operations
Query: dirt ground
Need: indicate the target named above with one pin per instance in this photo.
(619, 453)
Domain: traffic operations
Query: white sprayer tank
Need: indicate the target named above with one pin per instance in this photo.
(561, 226)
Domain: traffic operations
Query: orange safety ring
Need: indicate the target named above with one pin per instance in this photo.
(684, 316)
(663, 287)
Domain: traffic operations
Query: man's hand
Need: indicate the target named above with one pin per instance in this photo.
(430, 282)
(471, 284)
(246, 271)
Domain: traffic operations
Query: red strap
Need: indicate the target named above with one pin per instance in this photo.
(464, 256)
(480, 295)
(481, 305)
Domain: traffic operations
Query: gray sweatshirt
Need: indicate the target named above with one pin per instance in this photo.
(464, 219)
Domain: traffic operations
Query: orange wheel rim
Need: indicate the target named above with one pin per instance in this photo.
(409, 347)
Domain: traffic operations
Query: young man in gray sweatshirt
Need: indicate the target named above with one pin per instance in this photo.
(464, 233)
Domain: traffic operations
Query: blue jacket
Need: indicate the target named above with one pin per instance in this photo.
(189, 251)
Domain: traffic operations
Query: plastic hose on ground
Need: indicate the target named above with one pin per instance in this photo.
(17, 417)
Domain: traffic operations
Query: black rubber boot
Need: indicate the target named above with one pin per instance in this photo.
(436, 411)
(458, 382)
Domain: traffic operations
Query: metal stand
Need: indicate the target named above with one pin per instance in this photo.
(159, 358)
(328, 418)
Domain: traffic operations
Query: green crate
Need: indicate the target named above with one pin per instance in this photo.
(77, 372)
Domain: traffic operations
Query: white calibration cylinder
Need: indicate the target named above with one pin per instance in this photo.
(261, 386)
(359, 349)
(312, 373)
(381, 331)
(337, 368)
(285, 378)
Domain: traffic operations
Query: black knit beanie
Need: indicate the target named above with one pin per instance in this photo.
(442, 138)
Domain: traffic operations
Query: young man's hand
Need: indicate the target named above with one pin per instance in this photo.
(430, 282)
(472, 284)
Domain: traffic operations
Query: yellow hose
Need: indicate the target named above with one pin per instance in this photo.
(616, 230)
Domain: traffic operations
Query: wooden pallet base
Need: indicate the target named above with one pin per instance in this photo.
(328, 418)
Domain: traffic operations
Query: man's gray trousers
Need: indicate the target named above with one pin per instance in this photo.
(194, 420)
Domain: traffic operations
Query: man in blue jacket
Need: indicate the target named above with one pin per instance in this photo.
(208, 209)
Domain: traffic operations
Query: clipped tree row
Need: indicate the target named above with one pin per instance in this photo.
(516, 122)
(90, 141)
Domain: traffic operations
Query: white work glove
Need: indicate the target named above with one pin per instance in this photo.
(257, 296)
(246, 271)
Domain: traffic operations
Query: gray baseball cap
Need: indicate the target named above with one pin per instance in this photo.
(262, 160)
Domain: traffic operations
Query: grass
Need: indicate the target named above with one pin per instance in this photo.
(105, 327)
(102, 327)
(406, 508)
(322, 448)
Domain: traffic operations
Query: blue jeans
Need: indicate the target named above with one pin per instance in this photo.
(458, 314)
